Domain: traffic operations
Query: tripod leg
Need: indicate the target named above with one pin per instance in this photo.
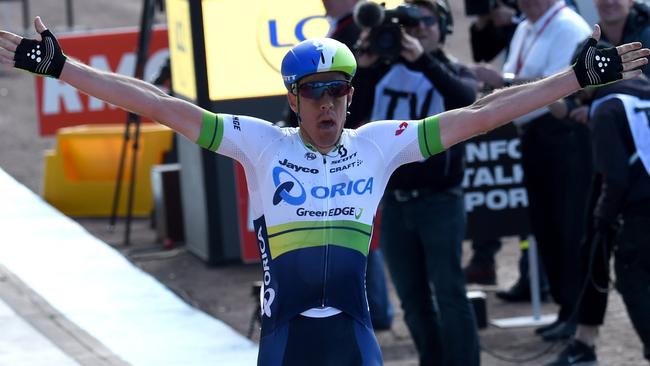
(120, 174)
(254, 320)
(144, 41)
(134, 170)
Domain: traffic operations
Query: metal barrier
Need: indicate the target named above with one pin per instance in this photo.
(25, 10)
(27, 18)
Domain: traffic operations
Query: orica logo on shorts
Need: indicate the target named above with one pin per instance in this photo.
(266, 298)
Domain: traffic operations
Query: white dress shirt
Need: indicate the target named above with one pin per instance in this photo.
(546, 46)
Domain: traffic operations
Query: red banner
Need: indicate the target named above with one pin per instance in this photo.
(60, 105)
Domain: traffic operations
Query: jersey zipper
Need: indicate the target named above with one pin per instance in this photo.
(327, 246)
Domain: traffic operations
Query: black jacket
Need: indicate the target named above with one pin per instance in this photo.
(636, 29)
(457, 85)
(624, 189)
(488, 42)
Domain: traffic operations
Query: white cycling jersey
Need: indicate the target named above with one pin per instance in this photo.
(314, 212)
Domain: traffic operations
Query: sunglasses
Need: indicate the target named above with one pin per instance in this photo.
(316, 89)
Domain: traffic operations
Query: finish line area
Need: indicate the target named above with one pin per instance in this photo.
(70, 298)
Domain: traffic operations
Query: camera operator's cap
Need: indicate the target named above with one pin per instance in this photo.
(315, 56)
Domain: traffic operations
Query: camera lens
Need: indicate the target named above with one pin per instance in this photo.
(387, 40)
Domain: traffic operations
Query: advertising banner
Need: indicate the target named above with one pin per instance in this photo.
(246, 41)
(495, 197)
(61, 105)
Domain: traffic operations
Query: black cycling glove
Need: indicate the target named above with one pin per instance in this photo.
(594, 67)
(40, 57)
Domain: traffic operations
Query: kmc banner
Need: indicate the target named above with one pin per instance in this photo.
(61, 105)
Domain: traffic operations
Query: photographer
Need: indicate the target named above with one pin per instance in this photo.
(423, 215)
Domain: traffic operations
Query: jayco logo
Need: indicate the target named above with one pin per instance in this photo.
(269, 293)
(297, 168)
(285, 183)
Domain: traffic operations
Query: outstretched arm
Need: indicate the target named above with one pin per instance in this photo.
(126, 92)
(507, 104)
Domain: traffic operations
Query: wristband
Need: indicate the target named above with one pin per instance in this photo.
(211, 132)
(595, 67)
(43, 57)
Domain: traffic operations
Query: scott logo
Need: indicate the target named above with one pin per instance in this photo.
(402, 127)
(343, 152)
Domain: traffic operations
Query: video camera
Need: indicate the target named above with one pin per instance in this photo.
(483, 7)
(385, 24)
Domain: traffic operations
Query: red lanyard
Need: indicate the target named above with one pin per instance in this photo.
(521, 57)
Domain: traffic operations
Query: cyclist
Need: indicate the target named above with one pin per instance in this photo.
(314, 189)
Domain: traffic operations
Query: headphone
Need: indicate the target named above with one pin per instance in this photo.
(445, 19)
(441, 9)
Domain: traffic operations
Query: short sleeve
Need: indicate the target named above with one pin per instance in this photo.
(242, 138)
(404, 142)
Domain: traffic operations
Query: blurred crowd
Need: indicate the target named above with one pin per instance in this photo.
(586, 163)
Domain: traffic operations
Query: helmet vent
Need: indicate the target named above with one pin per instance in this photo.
(314, 56)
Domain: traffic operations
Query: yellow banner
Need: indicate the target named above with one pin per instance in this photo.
(180, 48)
(246, 41)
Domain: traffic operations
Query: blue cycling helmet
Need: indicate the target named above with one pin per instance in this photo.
(314, 56)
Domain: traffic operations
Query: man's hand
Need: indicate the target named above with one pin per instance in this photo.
(595, 67)
(42, 57)
(580, 114)
(411, 47)
(487, 75)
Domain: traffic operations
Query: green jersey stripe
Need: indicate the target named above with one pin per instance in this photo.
(211, 131)
(318, 228)
(299, 239)
(429, 136)
(274, 230)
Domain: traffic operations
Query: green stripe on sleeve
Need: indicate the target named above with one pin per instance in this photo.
(299, 235)
(211, 131)
(429, 136)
